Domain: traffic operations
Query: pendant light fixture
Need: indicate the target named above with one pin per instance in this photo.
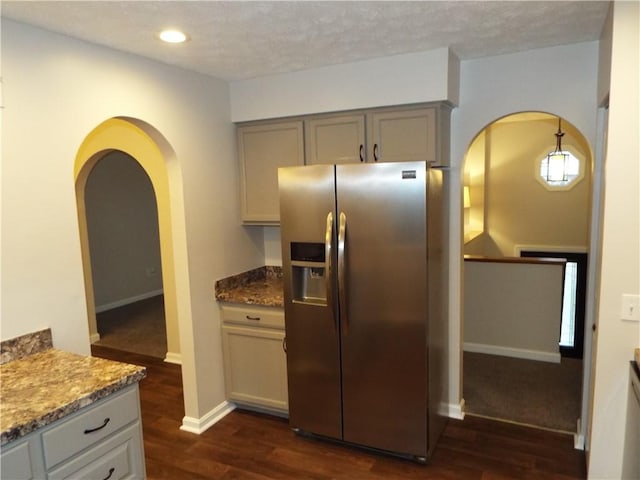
(557, 160)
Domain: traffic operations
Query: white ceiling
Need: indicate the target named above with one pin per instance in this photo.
(243, 39)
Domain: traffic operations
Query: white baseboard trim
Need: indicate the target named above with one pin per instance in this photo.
(172, 357)
(94, 337)
(542, 356)
(199, 425)
(127, 301)
(456, 410)
(578, 437)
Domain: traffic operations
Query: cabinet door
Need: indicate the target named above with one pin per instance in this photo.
(255, 367)
(262, 149)
(403, 136)
(22, 460)
(337, 139)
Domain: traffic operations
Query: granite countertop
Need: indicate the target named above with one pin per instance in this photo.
(43, 387)
(260, 286)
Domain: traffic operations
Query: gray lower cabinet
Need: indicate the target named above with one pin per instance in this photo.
(102, 441)
(254, 349)
(22, 459)
(631, 451)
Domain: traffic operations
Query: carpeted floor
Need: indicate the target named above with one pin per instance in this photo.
(138, 327)
(535, 393)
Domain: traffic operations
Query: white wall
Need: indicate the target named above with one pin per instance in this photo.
(272, 246)
(56, 90)
(620, 269)
(394, 80)
(513, 309)
(490, 88)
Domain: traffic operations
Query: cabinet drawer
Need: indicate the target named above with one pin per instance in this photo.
(256, 317)
(115, 459)
(90, 426)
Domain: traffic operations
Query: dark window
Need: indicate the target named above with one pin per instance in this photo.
(571, 339)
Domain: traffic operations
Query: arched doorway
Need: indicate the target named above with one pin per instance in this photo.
(143, 143)
(122, 223)
(507, 211)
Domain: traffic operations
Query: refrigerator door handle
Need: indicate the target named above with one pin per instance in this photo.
(328, 265)
(342, 287)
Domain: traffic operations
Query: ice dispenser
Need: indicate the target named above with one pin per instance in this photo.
(308, 273)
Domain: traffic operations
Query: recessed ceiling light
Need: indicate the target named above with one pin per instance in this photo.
(173, 36)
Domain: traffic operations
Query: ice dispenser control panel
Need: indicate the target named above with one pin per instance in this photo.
(308, 273)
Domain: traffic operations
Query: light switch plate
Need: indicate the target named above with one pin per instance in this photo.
(630, 309)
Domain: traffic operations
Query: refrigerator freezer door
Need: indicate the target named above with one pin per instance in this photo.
(307, 215)
(384, 355)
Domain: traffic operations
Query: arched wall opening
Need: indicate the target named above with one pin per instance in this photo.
(143, 143)
(501, 170)
(511, 181)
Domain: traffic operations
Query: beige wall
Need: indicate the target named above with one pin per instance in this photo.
(56, 91)
(620, 266)
(513, 309)
(122, 221)
(474, 177)
(518, 209)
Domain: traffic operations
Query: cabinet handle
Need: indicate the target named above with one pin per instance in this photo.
(111, 470)
(249, 317)
(104, 424)
(284, 344)
(375, 152)
(361, 153)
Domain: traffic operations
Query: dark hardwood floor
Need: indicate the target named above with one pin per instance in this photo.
(246, 445)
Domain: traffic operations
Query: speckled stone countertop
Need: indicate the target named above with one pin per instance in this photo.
(260, 286)
(43, 387)
(25, 345)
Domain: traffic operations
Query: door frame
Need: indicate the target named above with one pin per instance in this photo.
(132, 137)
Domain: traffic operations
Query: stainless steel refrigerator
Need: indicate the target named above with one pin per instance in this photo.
(365, 302)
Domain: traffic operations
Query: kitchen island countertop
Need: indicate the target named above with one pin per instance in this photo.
(43, 387)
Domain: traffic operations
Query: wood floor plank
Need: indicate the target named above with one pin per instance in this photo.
(253, 446)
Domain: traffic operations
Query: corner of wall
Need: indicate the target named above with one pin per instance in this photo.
(604, 60)
(453, 78)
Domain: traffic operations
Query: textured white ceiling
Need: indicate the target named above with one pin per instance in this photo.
(242, 39)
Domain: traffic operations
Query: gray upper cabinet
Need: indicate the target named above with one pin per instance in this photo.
(262, 149)
(403, 136)
(395, 134)
(335, 139)
(389, 134)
